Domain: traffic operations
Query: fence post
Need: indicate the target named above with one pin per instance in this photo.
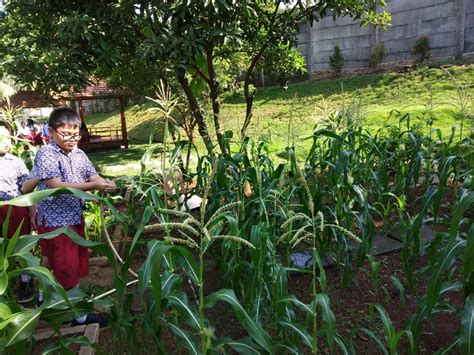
(310, 50)
(123, 121)
(460, 28)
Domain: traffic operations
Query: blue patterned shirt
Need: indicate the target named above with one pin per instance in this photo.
(52, 162)
(13, 173)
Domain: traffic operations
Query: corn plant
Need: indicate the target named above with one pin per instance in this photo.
(199, 234)
(16, 322)
(312, 228)
(442, 261)
(391, 336)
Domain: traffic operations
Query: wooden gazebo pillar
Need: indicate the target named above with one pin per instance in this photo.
(123, 121)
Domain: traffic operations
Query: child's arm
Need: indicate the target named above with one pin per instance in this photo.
(100, 184)
(110, 188)
(31, 211)
(29, 185)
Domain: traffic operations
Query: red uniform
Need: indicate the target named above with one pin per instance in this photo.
(18, 216)
(68, 260)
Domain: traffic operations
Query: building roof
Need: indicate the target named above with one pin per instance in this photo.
(29, 99)
(97, 89)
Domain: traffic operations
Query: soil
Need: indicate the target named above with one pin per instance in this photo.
(350, 306)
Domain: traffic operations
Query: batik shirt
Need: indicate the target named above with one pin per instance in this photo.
(52, 162)
(13, 173)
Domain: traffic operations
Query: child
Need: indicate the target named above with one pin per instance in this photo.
(13, 173)
(62, 164)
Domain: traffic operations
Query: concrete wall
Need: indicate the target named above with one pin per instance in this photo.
(449, 24)
(469, 34)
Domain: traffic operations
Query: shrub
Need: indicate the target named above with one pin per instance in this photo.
(422, 50)
(336, 60)
(377, 54)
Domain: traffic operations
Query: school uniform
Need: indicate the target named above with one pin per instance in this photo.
(68, 260)
(13, 173)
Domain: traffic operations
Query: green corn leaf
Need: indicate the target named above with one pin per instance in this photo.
(3, 282)
(329, 321)
(5, 311)
(389, 329)
(185, 338)
(181, 304)
(468, 267)
(292, 299)
(58, 316)
(18, 327)
(58, 346)
(255, 331)
(6, 222)
(346, 347)
(377, 340)
(300, 331)
(322, 272)
(289, 349)
(467, 327)
(186, 259)
(12, 242)
(145, 219)
(401, 289)
(326, 133)
(168, 282)
(156, 290)
(447, 258)
(156, 249)
(450, 348)
(27, 242)
(465, 201)
(242, 346)
(36, 197)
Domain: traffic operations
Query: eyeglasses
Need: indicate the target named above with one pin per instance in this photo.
(69, 137)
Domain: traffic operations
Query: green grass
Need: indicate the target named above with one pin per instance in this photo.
(375, 95)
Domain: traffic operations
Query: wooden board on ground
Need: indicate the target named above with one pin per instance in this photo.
(90, 331)
(428, 233)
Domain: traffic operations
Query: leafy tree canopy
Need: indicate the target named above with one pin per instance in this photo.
(57, 45)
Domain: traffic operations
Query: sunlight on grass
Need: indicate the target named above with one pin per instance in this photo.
(378, 96)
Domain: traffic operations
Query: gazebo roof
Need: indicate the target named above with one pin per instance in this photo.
(29, 99)
(97, 90)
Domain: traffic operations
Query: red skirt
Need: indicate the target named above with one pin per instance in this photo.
(18, 216)
(68, 260)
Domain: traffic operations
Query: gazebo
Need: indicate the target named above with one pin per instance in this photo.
(102, 138)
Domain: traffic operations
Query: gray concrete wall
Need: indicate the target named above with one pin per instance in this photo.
(469, 34)
(449, 24)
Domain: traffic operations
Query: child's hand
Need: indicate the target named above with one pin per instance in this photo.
(102, 185)
(112, 187)
(33, 224)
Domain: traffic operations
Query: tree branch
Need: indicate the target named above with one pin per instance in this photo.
(195, 110)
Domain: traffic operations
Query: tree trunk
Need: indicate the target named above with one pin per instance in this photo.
(249, 96)
(195, 110)
(214, 94)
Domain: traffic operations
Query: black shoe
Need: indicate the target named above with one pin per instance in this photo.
(26, 292)
(91, 319)
(39, 302)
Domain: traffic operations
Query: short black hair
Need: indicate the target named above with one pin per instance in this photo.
(62, 116)
(7, 125)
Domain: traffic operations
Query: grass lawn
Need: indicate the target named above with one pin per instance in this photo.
(373, 96)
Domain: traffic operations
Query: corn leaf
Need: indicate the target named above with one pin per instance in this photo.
(255, 331)
(467, 327)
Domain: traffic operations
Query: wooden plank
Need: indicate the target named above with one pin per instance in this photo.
(98, 261)
(46, 334)
(92, 333)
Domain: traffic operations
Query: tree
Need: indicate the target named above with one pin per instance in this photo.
(58, 45)
(336, 60)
